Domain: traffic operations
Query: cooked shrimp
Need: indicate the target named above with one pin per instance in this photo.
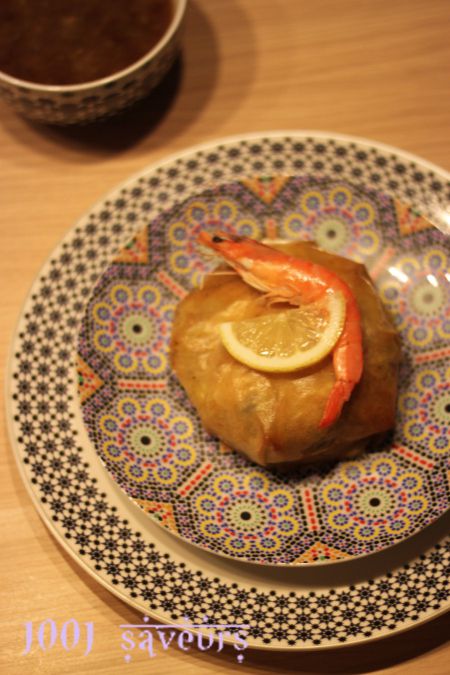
(285, 278)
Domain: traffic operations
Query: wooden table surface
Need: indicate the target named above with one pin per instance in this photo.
(372, 68)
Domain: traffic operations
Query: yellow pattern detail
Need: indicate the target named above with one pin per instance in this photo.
(138, 479)
(262, 480)
(289, 497)
(136, 251)
(314, 195)
(341, 190)
(367, 532)
(169, 479)
(88, 380)
(127, 401)
(149, 288)
(401, 525)
(358, 206)
(266, 190)
(161, 510)
(318, 551)
(227, 204)
(408, 221)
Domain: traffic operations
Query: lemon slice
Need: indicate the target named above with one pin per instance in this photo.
(287, 340)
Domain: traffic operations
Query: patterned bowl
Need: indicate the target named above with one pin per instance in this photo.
(81, 103)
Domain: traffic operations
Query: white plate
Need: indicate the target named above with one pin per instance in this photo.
(105, 532)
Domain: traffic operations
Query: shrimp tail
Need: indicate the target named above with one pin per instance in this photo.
(339, 395)
(347, 364)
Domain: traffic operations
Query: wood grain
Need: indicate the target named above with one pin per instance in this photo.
(372, 68)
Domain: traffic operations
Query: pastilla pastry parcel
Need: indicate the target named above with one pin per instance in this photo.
(330, 406)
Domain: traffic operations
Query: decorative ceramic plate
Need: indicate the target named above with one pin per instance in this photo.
(104, 303)
(149, 436)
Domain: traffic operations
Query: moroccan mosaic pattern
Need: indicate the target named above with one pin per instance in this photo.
(57, 467)
(150, 438)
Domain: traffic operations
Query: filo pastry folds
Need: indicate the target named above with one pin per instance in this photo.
(273, 418)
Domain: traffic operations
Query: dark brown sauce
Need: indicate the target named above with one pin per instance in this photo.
(74, 41)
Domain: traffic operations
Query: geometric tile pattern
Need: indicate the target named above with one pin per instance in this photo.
(152, 441)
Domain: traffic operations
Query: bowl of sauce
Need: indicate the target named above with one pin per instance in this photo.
(74, 62)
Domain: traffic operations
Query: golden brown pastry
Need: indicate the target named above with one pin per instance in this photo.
(273, 418)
